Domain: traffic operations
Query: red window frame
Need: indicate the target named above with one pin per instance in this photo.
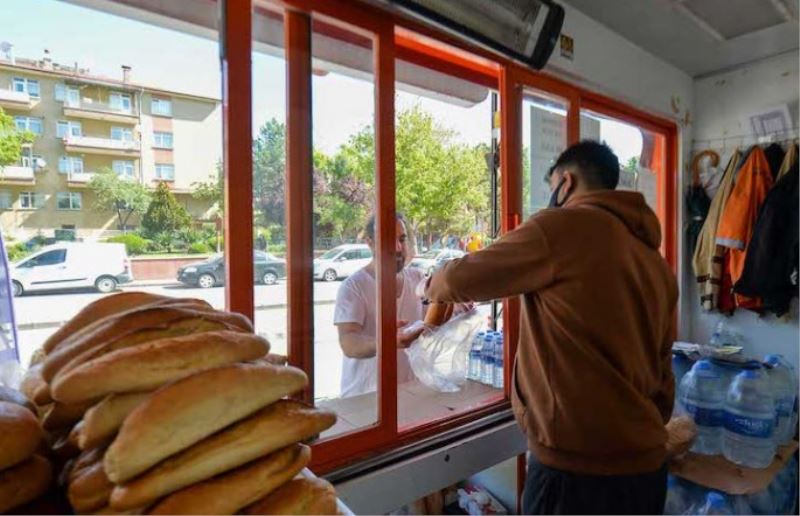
(393, 37)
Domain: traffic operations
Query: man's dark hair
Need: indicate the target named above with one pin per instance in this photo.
(369, 228)
(595, 162)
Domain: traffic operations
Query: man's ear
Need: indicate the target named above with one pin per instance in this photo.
(570, 183)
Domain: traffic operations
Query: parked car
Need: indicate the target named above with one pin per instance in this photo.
(69, 265)
(432, 260)
(341, 261)
(267, 269)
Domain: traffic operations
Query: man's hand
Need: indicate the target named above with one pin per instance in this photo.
(408, 333)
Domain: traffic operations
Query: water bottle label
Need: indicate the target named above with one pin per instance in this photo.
(749, 426)
(705, 416)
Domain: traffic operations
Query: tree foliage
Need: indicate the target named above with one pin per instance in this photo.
(119, 195)
(11, 140)
(211, 191)
(165, 215)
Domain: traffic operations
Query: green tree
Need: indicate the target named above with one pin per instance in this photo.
(165, 216)
(11, 140)
(211, 191)
(123, 196)
(442, 186)
(269, 165)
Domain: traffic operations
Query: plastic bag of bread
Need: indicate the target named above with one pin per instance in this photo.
(439, 356)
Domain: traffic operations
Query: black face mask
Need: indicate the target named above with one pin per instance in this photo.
(554, 196)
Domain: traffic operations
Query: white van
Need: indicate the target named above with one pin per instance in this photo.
(72, 265)
(341, 261)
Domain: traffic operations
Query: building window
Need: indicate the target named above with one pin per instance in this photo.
(30, 160)
(165, 172)
(60, 92)
(66, 128)
(5, 200)
(68, 201)
(162, 107)
(162, 140)
(70, 165)
(29, 86)
(28, 123)
(122, 134)
(121, 102)
(123, 168)
(31, 200)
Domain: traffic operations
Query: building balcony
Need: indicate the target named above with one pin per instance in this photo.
(100, 111)
(79, 178)
(105, 146)
(17, 100)
(17, 174)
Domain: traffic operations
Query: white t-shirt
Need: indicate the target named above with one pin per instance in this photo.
(356, 302)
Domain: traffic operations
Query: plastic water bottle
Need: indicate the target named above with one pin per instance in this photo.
(716, 503)
(677, 501)
(784, 389)
(474, 365)
(749, 435)
(487, 359)
(718, 335)
(497, 379)
(702, 397)
(762, 502)
(680, 366)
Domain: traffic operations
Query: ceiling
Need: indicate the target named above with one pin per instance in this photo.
(701, 36)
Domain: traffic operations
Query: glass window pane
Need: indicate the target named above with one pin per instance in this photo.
(269, 177)
(443, 149)
(345, 292)
(156, 51)
(544, 138)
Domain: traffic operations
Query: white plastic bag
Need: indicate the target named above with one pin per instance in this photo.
(439, 356)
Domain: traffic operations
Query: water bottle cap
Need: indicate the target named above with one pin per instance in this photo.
(716, 499)
(773, 360)
(703, 365)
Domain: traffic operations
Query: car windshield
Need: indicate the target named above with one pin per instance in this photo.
(331, 254)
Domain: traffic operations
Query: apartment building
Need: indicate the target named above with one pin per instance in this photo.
(84, 123)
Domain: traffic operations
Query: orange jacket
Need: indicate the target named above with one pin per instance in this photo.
(740, 213)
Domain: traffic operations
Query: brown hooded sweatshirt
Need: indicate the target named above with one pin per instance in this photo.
(593, 384)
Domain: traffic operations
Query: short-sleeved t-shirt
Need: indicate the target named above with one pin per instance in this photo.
(356, 302)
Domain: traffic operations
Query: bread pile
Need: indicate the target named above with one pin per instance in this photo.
(166, 406)
(24, 473)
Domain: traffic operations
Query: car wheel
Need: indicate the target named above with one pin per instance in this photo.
(16, 288)
(206, 281)
(269, 278)
(330, 275)
(105, 284)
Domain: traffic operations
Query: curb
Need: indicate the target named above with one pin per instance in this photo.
(58, 324)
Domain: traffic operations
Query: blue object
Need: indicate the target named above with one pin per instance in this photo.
(497, 381)
(750, 410)
(702, 396)
(487, 359)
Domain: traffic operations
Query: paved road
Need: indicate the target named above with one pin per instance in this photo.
(38, 315)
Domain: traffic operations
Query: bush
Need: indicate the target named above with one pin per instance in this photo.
(16, 252)
(276, 249)
(211, 242)
(199, 248)
(134, 244)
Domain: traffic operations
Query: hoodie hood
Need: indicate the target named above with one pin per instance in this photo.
(629, 207)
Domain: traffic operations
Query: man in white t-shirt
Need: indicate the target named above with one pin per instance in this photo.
(356, 317)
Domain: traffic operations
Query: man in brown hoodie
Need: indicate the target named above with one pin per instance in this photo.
(592, 385)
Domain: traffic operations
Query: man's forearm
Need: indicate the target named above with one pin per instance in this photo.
(357, 345)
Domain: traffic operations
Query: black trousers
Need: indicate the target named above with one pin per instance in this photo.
(552, 491)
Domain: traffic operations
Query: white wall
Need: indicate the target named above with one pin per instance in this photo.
(723, 102)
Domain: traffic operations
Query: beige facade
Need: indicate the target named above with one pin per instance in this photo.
(86, 123)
